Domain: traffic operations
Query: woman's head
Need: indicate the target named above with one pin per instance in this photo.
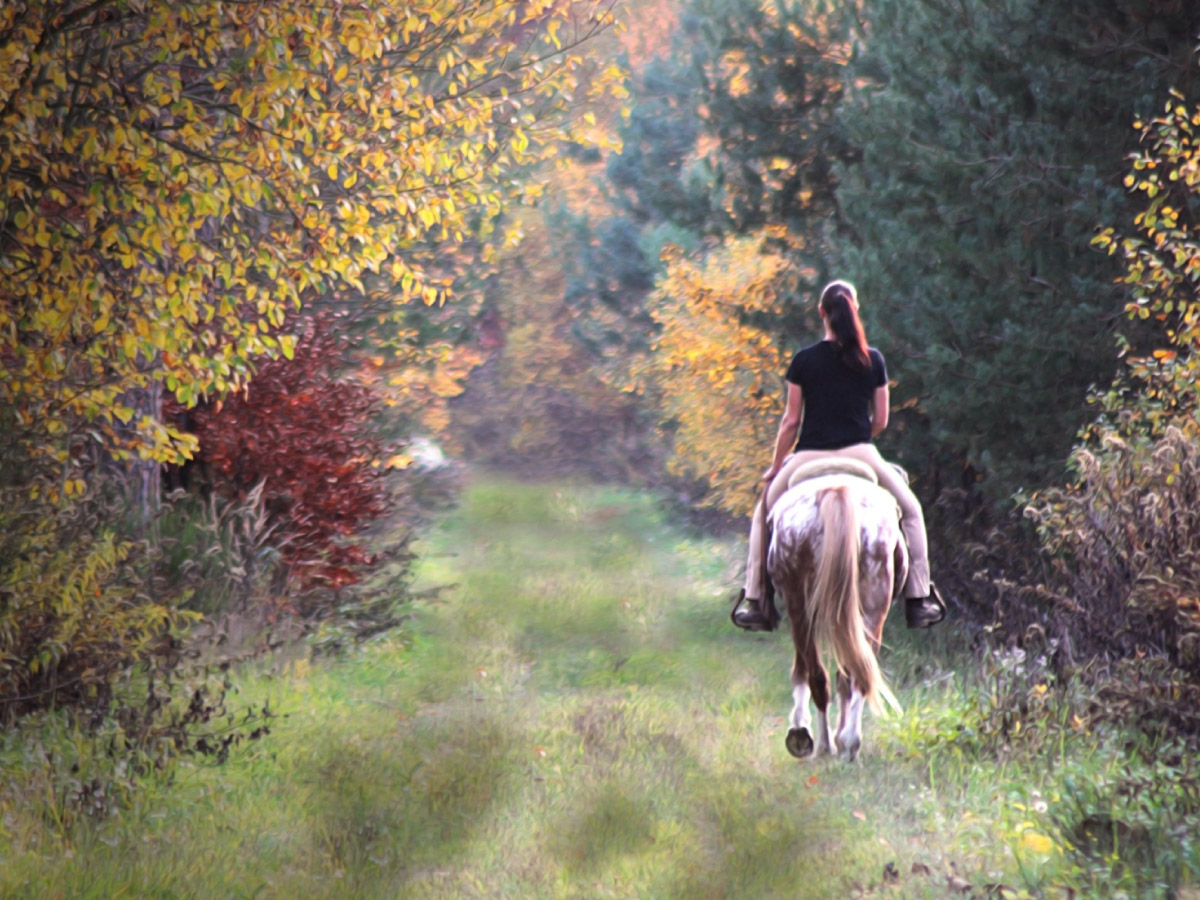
(839, 308)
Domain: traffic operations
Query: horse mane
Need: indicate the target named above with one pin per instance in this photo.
(835, 615)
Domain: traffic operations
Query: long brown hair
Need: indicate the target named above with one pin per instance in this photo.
(839, 302)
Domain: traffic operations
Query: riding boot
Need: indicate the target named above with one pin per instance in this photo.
(755, 617)
(925, 612)
(760, 613)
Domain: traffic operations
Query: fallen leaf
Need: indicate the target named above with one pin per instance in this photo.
(958, 885)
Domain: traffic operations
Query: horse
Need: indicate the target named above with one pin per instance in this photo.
(836, 557)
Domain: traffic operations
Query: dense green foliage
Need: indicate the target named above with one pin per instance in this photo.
(993, 136)
(1124, 532)
(954, 163)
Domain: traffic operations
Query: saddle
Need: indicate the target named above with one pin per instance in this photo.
(832, 466)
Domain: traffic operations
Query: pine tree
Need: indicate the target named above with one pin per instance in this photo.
(993, 135)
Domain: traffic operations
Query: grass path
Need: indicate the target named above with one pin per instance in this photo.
(575, 719)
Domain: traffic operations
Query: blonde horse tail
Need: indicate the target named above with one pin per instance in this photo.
(834, 608)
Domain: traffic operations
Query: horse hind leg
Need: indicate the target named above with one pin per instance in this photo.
(800, 742)
(818, 680)
(799, 737)
(810, 685)
(850, 704)
(877, 590)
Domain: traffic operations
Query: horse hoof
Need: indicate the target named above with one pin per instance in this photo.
(799, 743)
(849, 749)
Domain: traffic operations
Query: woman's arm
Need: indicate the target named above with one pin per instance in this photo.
(789, 426)
(879, 412)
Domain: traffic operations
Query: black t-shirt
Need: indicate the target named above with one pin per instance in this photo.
(837, 398)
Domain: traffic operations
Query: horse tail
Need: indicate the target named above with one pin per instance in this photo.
(834, 607)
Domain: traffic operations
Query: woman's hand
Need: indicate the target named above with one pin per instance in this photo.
(771, 473)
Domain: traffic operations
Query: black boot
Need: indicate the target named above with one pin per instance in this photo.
(925, 612)
(752, 618)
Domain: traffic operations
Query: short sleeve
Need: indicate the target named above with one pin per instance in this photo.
(794, 370)
(878, 368)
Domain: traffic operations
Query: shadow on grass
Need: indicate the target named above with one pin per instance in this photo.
(385, 812)
(647, 805)
(730, 841)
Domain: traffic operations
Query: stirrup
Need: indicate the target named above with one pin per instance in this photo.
(749, 619)
(737, 602)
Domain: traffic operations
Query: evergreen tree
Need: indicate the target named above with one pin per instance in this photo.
(771, 76)
(993, 136)
(657, 176)
(734, 133)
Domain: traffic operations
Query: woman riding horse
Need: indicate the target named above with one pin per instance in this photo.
(838, 387)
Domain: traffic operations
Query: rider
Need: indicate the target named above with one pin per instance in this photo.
(839, 388)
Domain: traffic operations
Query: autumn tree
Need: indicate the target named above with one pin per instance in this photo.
(178, 183)
(179, 177)
(1161, 388)
(718, 378)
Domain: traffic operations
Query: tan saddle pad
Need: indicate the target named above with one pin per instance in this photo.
(833, 466)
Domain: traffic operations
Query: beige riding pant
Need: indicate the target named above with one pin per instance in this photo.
(912, 520)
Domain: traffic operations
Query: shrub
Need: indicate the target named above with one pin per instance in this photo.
(1126, 830)
(75, 609)
(301, 434)
(96, 644)
(221, 555)
(1127, 535)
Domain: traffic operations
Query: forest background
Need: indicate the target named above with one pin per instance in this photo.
(254, 258)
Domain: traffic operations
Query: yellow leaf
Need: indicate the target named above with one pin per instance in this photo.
(399, 461)
(1038, 843)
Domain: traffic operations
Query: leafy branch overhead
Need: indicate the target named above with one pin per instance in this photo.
(175, 178)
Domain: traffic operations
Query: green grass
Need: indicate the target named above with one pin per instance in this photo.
(577, 719)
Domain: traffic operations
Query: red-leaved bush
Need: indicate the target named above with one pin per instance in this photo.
(304, 430)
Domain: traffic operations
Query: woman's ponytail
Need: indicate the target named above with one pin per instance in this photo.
(839, 302)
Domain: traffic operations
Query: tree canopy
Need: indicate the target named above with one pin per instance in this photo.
(992, 138)
(176, 178)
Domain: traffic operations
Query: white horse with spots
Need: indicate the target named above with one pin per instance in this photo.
(837, 558)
